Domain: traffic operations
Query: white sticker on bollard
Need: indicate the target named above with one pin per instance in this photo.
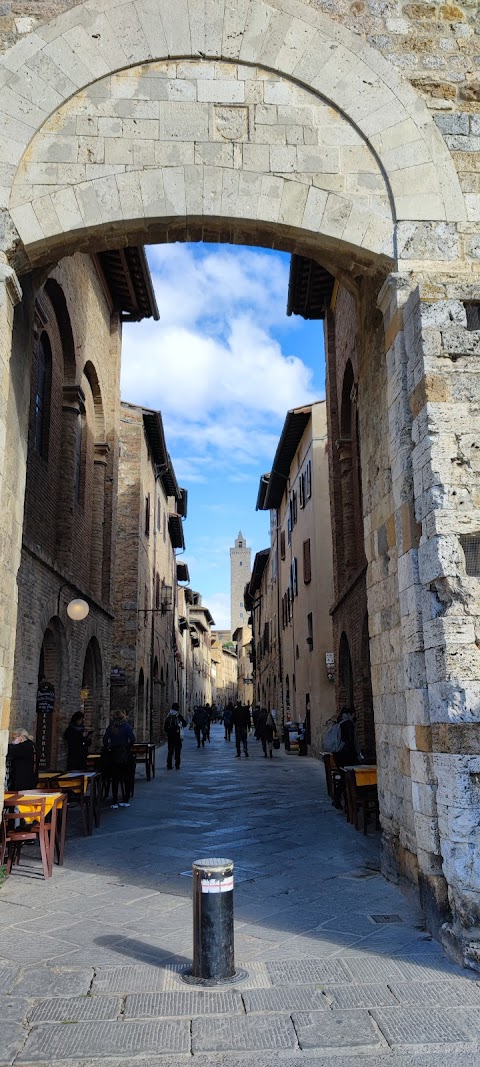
(223, 885)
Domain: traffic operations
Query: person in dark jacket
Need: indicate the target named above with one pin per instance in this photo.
(347, 755)
(227, 721)
(242, 722)
(174, 724)
(22, 761)
(266, 729)
(200, 725)
(78, 742)
(118, 741)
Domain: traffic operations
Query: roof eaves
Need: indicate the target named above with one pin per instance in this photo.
(293, 429)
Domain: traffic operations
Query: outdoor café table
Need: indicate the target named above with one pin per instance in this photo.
(361, 786)
(23, 802)
(47, 779)
(93, 761)
(87, 786)
(144, 753)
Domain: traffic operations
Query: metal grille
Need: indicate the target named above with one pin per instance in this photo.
(382, 920)
(473, 316)
(471, 550)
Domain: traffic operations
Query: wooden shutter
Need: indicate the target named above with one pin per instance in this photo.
(307, 562)
(282, 544)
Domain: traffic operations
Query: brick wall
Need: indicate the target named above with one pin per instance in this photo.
(350, 616)
(56, 562)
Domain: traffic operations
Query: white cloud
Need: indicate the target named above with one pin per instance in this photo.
(212, 365)
(218, 605)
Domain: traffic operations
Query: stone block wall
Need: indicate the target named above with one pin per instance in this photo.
(434, 45)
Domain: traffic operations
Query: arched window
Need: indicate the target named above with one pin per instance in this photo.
(42, 396)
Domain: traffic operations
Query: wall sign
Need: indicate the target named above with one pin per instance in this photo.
(45, 709)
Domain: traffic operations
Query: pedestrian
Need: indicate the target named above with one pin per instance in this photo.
(22, 762)
(242, 722)
(78, 741)
(346, 754)
(200, 725)
(268, 729)
(227, 721)
(118, 741)
(174, 727)
(208, 720)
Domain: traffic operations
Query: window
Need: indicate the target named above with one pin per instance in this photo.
(164, 526)
(289, 524)
(294, 578)
(301, 490)
(307, 562)
(159, 514)
(308, 480)
(157, 591)
(473, 316)
(78, 461)
(42, 396)
(310, 630)
(282, 545)
(471, 550)
(294, 508)
(147, 516)
(240, 544)
(241, 564)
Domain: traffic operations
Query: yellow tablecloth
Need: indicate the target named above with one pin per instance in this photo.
(66, 780)
(23, 806)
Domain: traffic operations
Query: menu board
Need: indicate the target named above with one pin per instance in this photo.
(45, 709)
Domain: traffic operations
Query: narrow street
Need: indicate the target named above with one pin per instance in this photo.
(338, 961)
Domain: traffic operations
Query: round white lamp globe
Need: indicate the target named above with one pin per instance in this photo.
(77, 610)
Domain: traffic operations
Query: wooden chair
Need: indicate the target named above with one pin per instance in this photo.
(35, 829)
(57, 845)
(330, 767)
(77, 793)
(143, 758)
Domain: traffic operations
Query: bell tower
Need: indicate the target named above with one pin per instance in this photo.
(240, 571)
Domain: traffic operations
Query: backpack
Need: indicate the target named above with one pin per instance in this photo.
(332, 738)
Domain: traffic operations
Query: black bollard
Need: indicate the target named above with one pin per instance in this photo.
(213, 950)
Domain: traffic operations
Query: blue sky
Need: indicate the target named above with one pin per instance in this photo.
(223, 365)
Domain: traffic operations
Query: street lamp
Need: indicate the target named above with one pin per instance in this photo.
(77, 609)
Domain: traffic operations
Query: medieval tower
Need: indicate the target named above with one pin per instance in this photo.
(240, 571)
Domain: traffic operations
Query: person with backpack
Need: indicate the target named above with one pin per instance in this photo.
(340, 740)
(174, 726)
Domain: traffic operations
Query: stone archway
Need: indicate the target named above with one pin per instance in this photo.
(290, 136)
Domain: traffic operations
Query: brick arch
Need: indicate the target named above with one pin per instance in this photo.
(58, 301)
(295, 44)
(91, 375)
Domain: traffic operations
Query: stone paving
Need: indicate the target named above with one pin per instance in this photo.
(339, 963)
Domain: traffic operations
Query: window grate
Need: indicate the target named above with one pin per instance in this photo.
(471, 550)
(473, 316)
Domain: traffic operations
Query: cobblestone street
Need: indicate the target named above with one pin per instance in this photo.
(338, 961)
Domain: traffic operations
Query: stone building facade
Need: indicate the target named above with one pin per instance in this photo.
(240, 570)
(345, 132)
(199, 661)
(151, 510)
(70, 513)
(292, 595)
(242, 638)
(314, 294)
(224, 673)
